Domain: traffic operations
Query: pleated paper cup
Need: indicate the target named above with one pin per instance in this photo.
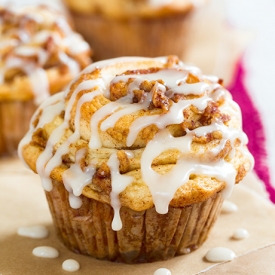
(146, 236)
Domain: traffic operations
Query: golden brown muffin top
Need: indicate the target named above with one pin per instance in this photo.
(139, 132)
(39, 53)
(125, 9)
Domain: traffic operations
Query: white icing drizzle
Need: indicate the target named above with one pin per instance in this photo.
(162, 192)
(40, 85)
(50, 108)
(174, 116)
(198, 88)
(27, 51)
(38, 76)
(189, 162)
(95, 142)
(121, 60)
(43, 164)
(35, 231)
(240, 234)
(212, 78)
(228, 133)
(247, 155)
(119, 183)
(76, 44)
(162, 271)
(220, 254)
(171, 77)
(8, 43)
(129, 154)
(45, 252)
(44, 35)
(229, 207)
(175, 80)
(47, 161)
(112, 119)
(75, 202)
(83, 178)
(71, 63)
(70, 265)
(232, 108)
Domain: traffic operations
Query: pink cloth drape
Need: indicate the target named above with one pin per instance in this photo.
(253, 127)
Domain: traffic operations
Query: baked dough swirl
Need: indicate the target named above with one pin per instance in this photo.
(139, 132)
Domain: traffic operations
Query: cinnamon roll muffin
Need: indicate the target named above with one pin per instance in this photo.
(133, 28)
(136, 157)
(39, 55)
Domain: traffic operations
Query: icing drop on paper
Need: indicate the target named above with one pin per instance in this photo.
(240, 233)
(162, 271)
(45, 252)
(229, 207)
(70, 265)
(35, 231)
(220, 254)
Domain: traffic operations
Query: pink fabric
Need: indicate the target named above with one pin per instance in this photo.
(253, 127)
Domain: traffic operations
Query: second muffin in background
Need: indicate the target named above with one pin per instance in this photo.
(40, 54)
(133, 28)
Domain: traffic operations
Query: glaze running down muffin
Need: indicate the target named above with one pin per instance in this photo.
(136, 156)
(40, 54)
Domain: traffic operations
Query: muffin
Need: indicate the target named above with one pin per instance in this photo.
(39, 55)
(136, 157)
(133, 28)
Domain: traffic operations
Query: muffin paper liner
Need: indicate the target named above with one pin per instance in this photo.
(146, 236)
(14, 123)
